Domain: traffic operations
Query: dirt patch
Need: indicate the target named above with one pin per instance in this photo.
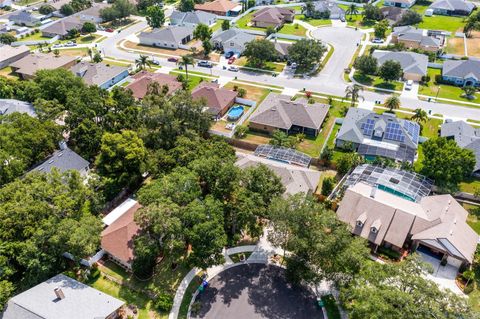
(473, 44)
(220, 126)
(456, 46)
(253, 93)
(74, 52)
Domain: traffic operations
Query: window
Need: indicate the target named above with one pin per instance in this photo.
(232, 44)
(359, 223)
(374, 230)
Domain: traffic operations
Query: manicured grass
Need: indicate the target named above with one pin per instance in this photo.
(430, 128)
(446, 23)
(217, 25)
(253, 93)
(193, 80)
(446, 91)
(35, 37)
(8, 73)
(236, 257)
(470, 185)
(242, 23)
(187, 297)
(314, 22)
(117, 63)
(331, 138)
(325, 174)
(421, 6)
(293, 29)
(377, 82)
(88, 38)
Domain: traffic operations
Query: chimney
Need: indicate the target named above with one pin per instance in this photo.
(59, 293)
(373, 192)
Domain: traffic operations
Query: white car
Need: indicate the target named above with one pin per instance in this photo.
(233, 68)
(409, 85)
(57, 45)
(293, 65)
(377, 40)
(230, 126)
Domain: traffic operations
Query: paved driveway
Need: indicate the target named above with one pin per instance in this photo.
(344, 41)
(256, 291)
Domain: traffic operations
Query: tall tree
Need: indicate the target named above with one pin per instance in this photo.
(352, 10)
(371, 12)
(225, 25)
(142, 62)
(392, 103)
(306, 53)
(186, 5)
(390, 71)
(420, 116)
(366, 64)
(381, 28)
(202, 32)
(155, 16)
(185, 61)
(352, 92)
(410, 17)
(258, 52)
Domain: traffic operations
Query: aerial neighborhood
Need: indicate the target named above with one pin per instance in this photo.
(258, 159)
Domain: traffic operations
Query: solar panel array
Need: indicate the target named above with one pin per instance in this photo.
(368, 126)
(413, 129)
(409, 184)
(394, 132)
(283, 154)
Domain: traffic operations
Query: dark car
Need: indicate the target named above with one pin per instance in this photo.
(172, 59)
(205, 64)
(229, 55)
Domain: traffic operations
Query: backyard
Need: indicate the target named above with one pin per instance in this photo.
(193, 80)
(314, 22)
(437, 22)
(293, 29)
(377, 82)
(270, 66)
(243, 22)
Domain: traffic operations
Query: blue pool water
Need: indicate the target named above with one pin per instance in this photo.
(235, 112)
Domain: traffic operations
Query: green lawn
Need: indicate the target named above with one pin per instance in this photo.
(421, 6)
(187, 297)
(470, 185)
(331, 138)
(88, 38)
(35, 37)
(446, 91)
(314, 22)
(243, 21)
(217, 25)
(377, 82)
(293, 29)
(193, 80)
(446, 23)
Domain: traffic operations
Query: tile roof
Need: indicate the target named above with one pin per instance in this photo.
(439, 218)
(38, 61)
(117, 238)
(63, 160)
(279, 111)
(96, 73)
(9, 106)
(296, 179)
(217, 6)
(453, 5)
(462, 68)
(217, 98)
(465, 135)
(80, 302)
(411, 62)
(273, 15)
(171, 33)
(139, 87)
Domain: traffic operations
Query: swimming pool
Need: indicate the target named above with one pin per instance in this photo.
(235, 112)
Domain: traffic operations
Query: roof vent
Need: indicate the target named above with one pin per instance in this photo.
(373, 192)
(59, 293)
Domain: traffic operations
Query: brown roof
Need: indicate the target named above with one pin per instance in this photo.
(38, 61)
(117, 239)
(217, 98)
(272, 15)
(217, 6)
(143, 79)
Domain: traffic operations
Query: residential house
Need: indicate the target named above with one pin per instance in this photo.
(100, 74)
(414, 38)
(64, 160)
(218, 99)
(62, 297)
(384, 135)
(220, 8)
(9, 54)
(392, 14)
(9, 106)
(24, 18)
(278, 112)
(466, 136)
(5, 3)
(171, 37)
(294, 178)
(232, 40)
(435, 225)
(272, 17)
(117, 239)
(325, 9)
(452, 7)
(399, 3)
(192, 19)
(462, 72)
(27, 67)
(282, 49)
(414, 65)
(62, 27)
(143, 79)
(92, 14)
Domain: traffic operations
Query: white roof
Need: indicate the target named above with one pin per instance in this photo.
(119, 211)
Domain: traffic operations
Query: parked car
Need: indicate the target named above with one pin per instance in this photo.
(205, 64)
(228, 55)
(293, 65)
(156, 62)
(377, 40)
(109, 30)
(231, 60)
(57, 45)
(70, 44)
(409, 85)
(172, 59)
(342, 19)
(233, 68)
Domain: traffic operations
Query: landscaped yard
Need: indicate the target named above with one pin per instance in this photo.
(473, 218)
(270, 66)
(437, 22)
(35, 37)
(75, 52)
(242, 23)
(217, 25)
(293, 29)
(253, 93)
(88, 38)
(446, 91)
(8, 73)
(377, 82)
(314, 22)
(193, 80)
(470, 185)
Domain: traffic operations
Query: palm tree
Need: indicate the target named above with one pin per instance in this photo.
(142, 62)
(419, 116)
(185, 61)
(353, 92)
(393, 102)
(469, 91)
(352, 10)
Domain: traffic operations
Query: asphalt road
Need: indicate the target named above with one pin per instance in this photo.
(256, 291)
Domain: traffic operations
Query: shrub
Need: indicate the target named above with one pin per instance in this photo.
(235, 88)
(164, 302)
(241, 92)
(327, 185)
(241, 131)
(196, 307)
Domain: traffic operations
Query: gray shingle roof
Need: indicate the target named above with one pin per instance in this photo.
(63, 160)
(323, 6)
(233, 35)
(195, 17)
(62, 27)
(409, 33)
(465, 135)
(23, 17)
(411, 62)
(278, 111)
(96, 73)
(171, 33)
(462, 68)
(453, 5)
(9, 106)
(80, 302)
